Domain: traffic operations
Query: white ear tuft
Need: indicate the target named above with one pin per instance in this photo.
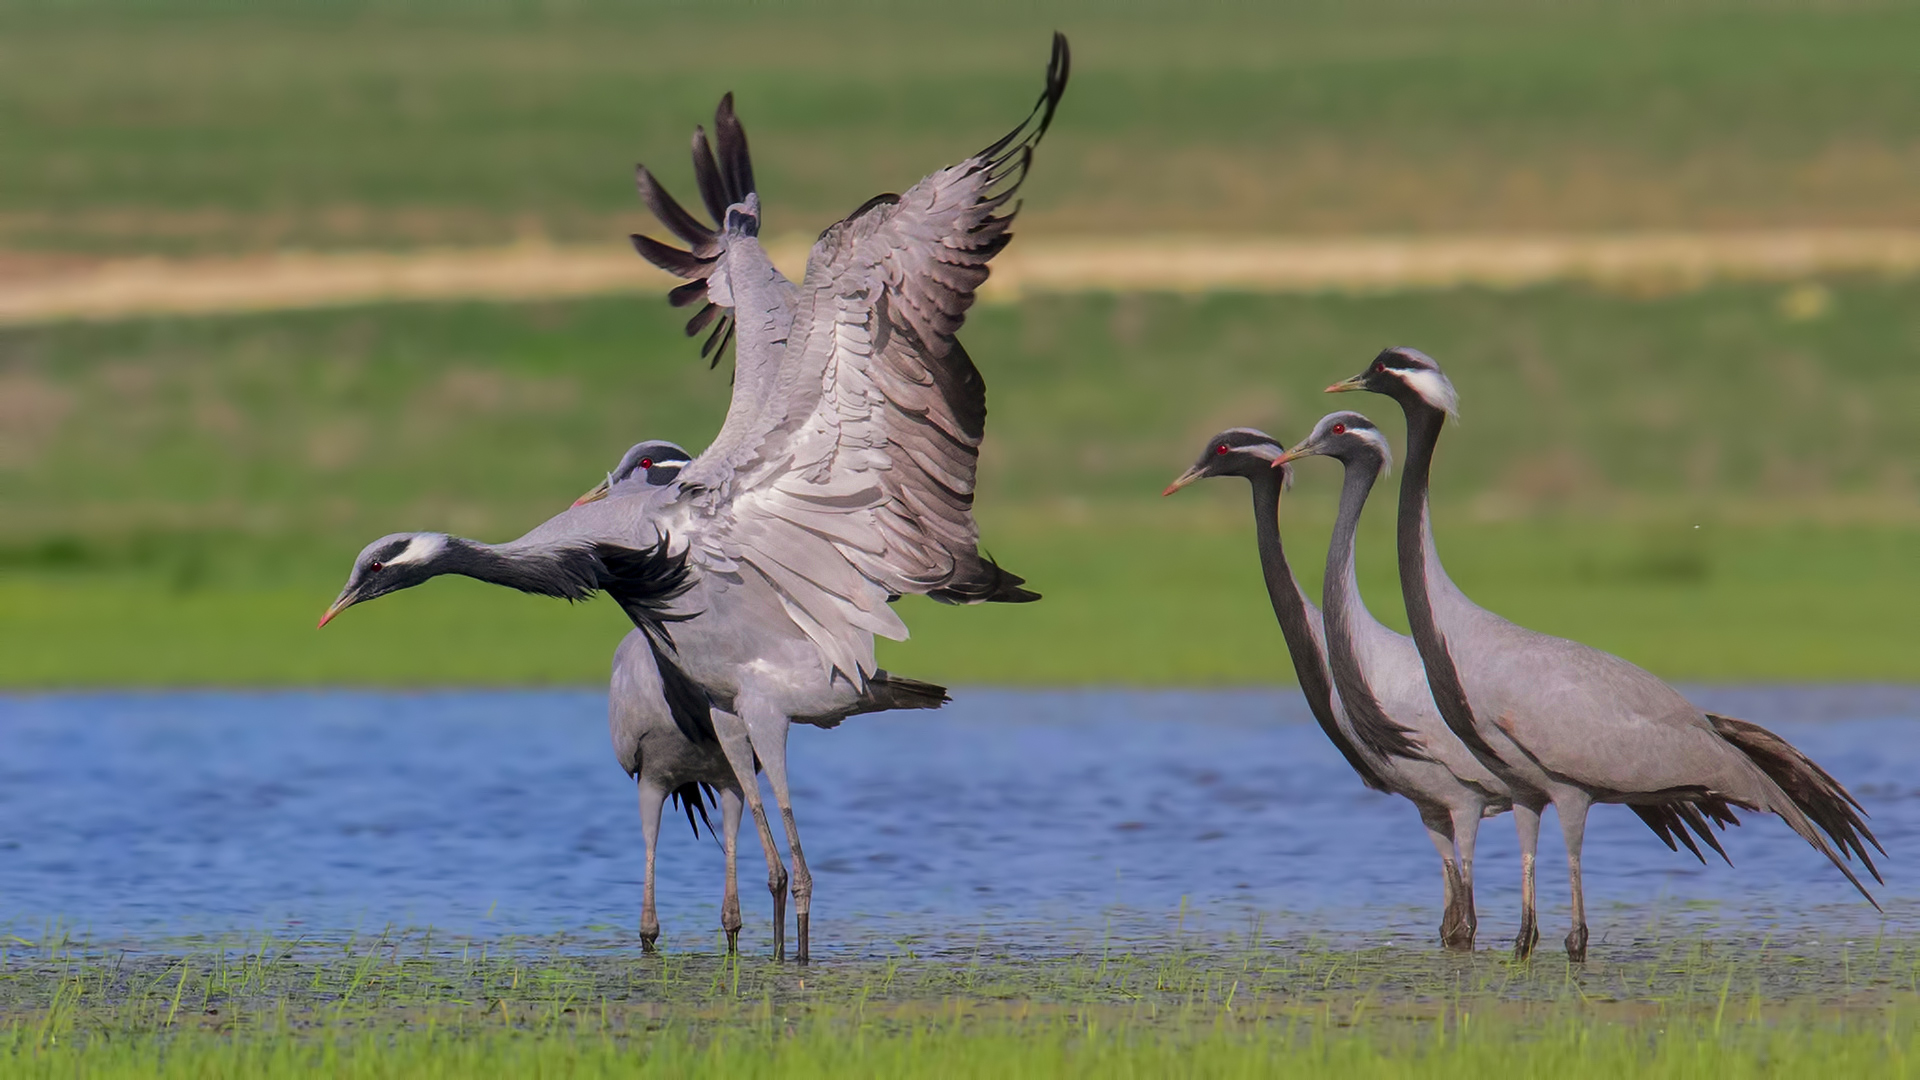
(419, 548)
(1434, 389)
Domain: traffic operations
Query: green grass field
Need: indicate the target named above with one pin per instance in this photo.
(408, 1004)
(1697, 481)
(212, 126)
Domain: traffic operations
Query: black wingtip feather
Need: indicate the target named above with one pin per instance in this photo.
(736, 165)
(706, 176)
(670, 213)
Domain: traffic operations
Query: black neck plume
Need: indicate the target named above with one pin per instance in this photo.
(1423, 434)
(567, 572)
(1371, 724)
(1290, 608)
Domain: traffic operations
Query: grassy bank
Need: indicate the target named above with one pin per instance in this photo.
(212, 126)
(1718, 484)
(410, 1005)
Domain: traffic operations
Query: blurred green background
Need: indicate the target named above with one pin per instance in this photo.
(1716, 481)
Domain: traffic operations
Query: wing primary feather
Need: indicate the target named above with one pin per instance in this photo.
(1058, 67)
(736, 166)
(706, 175)
(701, 318)
(671, 213)
(682, 295)
(717, 342)
(671, 259)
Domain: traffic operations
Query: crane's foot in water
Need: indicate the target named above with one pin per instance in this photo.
(800, 938)
(1529, 937)
(647, 942)
(1456, 929)
(733, 941)
(777, 885)
(1577, 944)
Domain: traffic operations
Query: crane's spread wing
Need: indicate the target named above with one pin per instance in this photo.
(723, 181)
(857, 485)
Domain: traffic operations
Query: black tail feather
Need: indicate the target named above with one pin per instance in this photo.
(1814, 791)
(987, 582)
(887, 691)
(689, 797)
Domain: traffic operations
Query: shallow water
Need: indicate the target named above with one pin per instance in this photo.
(1021, 816)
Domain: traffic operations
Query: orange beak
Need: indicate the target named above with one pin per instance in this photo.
(339, 606)
(1181, 481)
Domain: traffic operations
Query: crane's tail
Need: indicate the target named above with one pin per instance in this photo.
(887, 691)
(693, 797)
(980, 580)
(1818, 799)
(1671, 822)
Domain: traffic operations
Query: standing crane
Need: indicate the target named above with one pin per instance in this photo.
(841, 479)
(1393, 738)
(1566, 724)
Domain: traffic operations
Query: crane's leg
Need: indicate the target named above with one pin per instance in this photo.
(739, 748)
(769, 729)
(1573, 826)
(1452, 922)
(730, 903)
(1526, 821)
(652, 796)
(1466, 832)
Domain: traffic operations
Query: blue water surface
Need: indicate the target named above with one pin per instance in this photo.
(1023, 815)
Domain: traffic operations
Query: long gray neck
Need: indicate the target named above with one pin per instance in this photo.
(1371, 724)
(1290, 608)
(568, 571)
(1419, 567)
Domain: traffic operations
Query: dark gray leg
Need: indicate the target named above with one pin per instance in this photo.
(769, 730)
(1573, 826)
(1526, 821)
(1454, 933)
(730, 804)
(652, 796)
(740, 753)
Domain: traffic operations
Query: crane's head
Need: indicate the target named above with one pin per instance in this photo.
(1234, 452)
(1345, 437)
(1405, 375)
(390, 564)
(656, 463)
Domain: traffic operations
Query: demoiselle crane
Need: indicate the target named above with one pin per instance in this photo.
(688, 766)
(1394, 740)
(841, 479)
(1566, 724)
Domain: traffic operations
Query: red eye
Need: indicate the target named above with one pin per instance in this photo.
(371, 567)
(1339, 429)
(1379, 366)
(1221, 449)
(646, 463)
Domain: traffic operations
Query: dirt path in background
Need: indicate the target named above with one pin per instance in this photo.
(41, 288)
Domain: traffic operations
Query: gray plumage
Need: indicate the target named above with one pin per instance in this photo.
(663, 735)
(1567, 724)
(841, 478)
(1356, 672)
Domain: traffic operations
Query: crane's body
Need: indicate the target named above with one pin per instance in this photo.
(841, 479)
(1398, 743)
(1565, 724)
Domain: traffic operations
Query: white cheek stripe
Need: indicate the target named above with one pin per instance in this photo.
(419, 549)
